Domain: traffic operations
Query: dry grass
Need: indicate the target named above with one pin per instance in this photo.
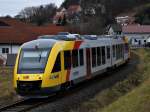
(6, 85)
(136, 101)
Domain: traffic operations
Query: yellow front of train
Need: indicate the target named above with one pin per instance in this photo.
(34, 72)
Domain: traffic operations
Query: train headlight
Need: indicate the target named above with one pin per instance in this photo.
(25, 77)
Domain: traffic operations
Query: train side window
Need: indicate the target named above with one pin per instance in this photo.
(98, 56)
(67, 59)
(113, 50)
(103, 55)
(117, 52)
(126, 48)
(81, 57)
(122, 50)
(75, 58)
(108, 52)
(57, 65)
(93, 57)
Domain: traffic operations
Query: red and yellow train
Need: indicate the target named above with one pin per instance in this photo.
(48, 64)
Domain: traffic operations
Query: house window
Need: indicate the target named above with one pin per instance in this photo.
(5, 50)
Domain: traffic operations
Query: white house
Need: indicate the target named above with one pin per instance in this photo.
(72, 14)
(13, 33)
(125, 20)
(7, 49)
(137, 34)
(114, 29)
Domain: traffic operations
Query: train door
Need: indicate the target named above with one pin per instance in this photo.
(57, 70)
(66, 66)
(88, 61)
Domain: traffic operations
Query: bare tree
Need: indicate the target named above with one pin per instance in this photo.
(38, 15)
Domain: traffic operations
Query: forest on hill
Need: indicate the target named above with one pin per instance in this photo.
(113, 7)
(105, 12)
(143, 15)
(94, 17)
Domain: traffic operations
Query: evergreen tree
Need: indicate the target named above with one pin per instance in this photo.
(59, 21)
(64, 20)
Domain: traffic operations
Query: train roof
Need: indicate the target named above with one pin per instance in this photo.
(83, 37)
(39, 43)
(47, 41)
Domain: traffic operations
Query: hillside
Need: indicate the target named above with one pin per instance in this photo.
(67, 3)
(98, 14)
(143, 15)
(113, 7)
(136, 101)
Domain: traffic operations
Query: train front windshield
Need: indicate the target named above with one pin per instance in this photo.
(33, 61)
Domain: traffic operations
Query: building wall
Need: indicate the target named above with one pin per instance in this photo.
(13, 49)
(138, 39)
(111, 31)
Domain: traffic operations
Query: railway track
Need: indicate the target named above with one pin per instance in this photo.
(25, 105)
(32, 104)
(19, 106)
(29, 104)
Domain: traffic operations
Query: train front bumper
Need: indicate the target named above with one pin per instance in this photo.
(33, 88)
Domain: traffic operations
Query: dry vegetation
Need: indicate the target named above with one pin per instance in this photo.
(6, 85)
(137, 100)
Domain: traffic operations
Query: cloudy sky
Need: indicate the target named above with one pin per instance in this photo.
(12, 7)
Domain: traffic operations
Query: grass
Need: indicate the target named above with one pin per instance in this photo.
(138, 100)
(6, 85)
(116, 98)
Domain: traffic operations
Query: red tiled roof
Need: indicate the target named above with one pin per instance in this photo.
(136, 29)
(19, 32)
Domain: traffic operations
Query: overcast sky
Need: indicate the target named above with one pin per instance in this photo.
(13, 7)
